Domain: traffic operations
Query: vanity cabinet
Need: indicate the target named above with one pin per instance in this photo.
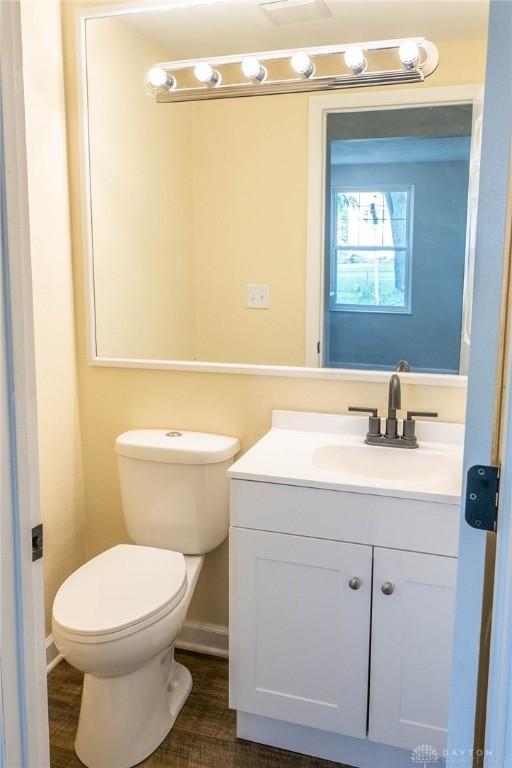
(411, 648)
(349, 637)
(343, 560)
(299, 635)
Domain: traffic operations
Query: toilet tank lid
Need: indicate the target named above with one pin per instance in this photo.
(176, 446)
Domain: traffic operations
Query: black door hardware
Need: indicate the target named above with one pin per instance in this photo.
(482, 490)
(37, 542)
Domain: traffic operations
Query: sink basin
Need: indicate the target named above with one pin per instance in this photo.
(328, 451)
(424, 468)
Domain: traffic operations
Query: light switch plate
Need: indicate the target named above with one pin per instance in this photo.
(258, 296)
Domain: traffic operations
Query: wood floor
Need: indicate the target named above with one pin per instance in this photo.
(203, 735)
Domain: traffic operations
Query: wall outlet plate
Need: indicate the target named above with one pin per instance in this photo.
(258, 296)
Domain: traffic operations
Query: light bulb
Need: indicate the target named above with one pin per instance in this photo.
(206, 74)
(302, 64)
(409, 54)
(253, 69)
(355, 60)
(157, 77)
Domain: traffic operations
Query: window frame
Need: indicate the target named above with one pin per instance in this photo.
(408, 248)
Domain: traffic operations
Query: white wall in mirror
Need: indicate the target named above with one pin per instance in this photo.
(188, 204)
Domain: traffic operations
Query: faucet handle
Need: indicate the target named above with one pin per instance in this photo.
(374, 411)
(409, 433)
(428, 414)
(374, 424)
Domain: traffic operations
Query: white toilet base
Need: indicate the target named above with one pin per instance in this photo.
(124, 719)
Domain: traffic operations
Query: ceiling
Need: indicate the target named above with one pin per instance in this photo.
(191, 30)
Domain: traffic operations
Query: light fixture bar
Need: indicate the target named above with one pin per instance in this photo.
(287, 53)
(414, 69)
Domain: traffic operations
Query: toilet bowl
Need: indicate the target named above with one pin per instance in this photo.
(116, 620)
(117, 617)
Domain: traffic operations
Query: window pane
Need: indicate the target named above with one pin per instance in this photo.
(370, 278)
(371, 218)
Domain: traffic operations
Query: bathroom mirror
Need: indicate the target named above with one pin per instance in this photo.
(323, 232)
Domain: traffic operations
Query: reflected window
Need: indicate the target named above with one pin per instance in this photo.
(371, 259)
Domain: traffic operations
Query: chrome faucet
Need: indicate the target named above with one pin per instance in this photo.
(391, 438)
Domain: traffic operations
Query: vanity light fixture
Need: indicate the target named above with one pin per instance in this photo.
(205, 73)
(355, 60)
(302, 64)
(409, 54)
(158, 78)
(295, 71)
(252, 69)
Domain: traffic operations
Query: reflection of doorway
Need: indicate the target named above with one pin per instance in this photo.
(396, 219)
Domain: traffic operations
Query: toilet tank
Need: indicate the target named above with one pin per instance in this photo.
(174, 488)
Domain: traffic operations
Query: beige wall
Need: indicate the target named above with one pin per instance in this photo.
(58, 426)
(250, 205)
(113, 400)
(184, 216)
(141, 191)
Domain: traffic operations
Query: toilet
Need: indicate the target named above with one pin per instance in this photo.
(117, 617)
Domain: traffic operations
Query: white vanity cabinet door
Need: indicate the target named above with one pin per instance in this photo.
(299, 634)
(411, 648)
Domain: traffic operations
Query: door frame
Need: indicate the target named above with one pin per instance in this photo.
(498, 730)
(319, 107)
(24, 708)
(498, 180)
(469, 729)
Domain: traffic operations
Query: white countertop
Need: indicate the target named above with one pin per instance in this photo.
(328, 451)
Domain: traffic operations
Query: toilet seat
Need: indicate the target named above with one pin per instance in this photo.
(119, 592)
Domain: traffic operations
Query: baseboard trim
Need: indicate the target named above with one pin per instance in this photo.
(53, 657)
(204, 638)
(211, 639)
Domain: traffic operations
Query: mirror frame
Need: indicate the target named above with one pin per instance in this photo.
(320, 105)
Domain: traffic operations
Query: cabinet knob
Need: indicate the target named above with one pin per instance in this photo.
(355, 582)
(387, 588)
